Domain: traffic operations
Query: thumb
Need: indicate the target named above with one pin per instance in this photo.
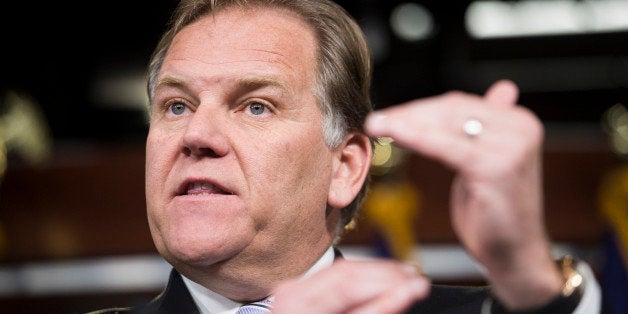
(502, 93)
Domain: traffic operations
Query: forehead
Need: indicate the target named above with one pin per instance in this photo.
(261, 39)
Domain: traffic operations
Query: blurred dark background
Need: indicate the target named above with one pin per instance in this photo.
(65, 54)
(72, 191)
(62, 53)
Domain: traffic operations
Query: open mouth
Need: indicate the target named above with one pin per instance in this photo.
(202, 187)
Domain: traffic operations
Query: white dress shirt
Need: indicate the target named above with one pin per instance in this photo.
(209, 302)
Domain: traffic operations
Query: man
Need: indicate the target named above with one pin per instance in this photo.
(258, 153)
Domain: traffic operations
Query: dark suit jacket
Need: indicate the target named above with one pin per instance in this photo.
(176, 299)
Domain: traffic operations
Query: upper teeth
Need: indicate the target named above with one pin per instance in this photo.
(203, 188)
(196, 186)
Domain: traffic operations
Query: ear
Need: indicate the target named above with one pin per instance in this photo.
(352, 160)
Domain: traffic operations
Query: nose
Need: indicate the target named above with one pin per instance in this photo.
(206, 134)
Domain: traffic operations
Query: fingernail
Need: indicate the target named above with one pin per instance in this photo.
(375, 121)
(419, 285)
(411, 270)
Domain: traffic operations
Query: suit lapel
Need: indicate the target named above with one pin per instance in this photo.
(175, 299)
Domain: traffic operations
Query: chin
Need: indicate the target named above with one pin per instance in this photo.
(201, 250)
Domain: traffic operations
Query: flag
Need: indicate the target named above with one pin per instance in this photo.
(613, 205)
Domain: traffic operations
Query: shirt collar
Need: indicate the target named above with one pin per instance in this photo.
(208, 301)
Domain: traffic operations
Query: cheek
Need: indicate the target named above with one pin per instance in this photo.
(278, 161)
(291, 169)
(160, 155)
(161, 148)
(154, 160)
(305, 189)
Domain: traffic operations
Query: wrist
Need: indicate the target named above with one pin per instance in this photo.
(526, 281)
(565, 300)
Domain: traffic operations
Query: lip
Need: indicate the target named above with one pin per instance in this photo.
(215, 187)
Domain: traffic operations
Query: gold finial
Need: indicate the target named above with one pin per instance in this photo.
(615, 124)
(23, 130)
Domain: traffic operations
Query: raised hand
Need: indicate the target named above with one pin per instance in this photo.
(494, 147)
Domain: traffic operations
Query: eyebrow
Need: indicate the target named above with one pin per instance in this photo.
(168, 82)
(254, 83)
(247, 84)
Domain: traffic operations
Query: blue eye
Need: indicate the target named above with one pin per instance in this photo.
(177, 108)
(257, 108)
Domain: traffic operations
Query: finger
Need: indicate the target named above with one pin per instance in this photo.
(502, 93)
(364, 283)
(424, 138)
(432, 127)
(348, 286)
(396, 300)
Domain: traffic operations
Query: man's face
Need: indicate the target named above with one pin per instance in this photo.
(237, 169)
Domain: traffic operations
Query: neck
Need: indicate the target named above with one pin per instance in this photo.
(253, 279)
